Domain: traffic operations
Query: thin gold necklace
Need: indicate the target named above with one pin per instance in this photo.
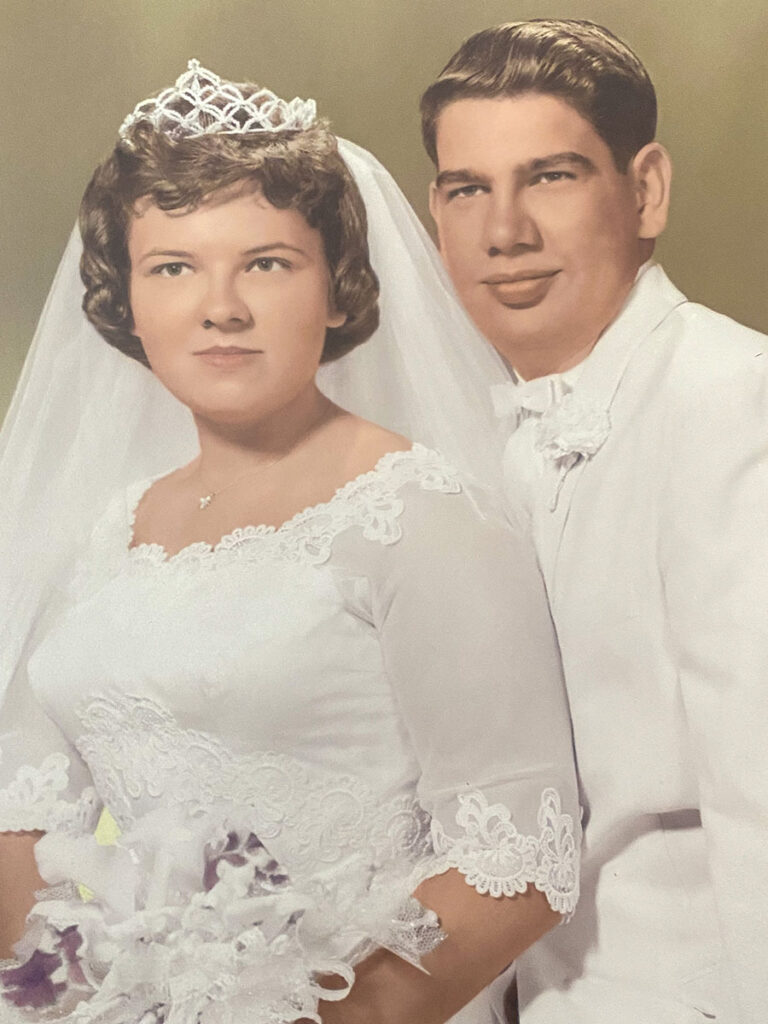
(206, 499)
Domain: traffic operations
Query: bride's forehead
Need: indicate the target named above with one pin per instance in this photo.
(224, 214)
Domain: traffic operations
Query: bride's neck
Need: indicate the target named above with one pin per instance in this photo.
(227, 449)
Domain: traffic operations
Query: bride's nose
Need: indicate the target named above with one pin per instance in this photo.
(224, 307)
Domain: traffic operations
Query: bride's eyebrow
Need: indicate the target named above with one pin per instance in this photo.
(178, 254)
(257, 250)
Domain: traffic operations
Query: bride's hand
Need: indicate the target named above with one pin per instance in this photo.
(484, 935)
(19, 880)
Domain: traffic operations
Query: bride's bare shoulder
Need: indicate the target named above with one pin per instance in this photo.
(365, 443)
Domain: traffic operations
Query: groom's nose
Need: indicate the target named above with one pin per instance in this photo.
(509, 226)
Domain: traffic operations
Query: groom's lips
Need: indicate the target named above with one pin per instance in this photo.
(521, 290)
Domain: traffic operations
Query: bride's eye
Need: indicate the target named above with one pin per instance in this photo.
(268, 263)
(170, 269)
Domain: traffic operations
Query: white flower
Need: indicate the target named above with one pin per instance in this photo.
(572, 427)
(568, 432)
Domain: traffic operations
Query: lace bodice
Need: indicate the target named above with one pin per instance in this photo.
(369, 692)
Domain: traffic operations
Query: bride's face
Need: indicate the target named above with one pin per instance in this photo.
(231, 302)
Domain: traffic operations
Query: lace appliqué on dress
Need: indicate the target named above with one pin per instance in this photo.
(140, 757)
(496, 858)
(32, 802)
(252, 877)
(138, 753)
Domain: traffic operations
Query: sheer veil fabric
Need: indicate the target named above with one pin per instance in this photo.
(86, 421)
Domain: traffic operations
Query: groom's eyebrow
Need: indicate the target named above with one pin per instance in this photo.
(465, 174)
(535, 166)
(543, 163)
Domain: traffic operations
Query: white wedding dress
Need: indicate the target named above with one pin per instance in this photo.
(291, 730)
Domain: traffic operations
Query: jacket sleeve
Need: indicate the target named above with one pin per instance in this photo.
(714, 561)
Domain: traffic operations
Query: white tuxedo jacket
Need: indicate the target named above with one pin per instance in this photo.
(648, 501)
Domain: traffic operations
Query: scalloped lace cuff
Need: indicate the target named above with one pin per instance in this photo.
(496, 858)
(33, 802)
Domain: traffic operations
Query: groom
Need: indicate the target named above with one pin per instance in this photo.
(638, 451)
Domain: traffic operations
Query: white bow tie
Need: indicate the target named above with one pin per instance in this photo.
(530, 397)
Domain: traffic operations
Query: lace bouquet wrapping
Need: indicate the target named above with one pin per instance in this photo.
(195, 921)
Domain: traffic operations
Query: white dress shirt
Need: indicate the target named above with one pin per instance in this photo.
(646, 488)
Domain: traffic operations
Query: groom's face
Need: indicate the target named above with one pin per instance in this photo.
(537, 227)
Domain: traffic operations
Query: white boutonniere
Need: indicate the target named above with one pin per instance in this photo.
(569, 432)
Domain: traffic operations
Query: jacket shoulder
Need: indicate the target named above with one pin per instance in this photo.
(701, 351)
(713, 343)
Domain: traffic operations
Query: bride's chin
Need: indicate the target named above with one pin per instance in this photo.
(245, 405)
(228, 418)
(235, 408)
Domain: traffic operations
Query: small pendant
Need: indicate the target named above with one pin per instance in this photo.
(206, 500)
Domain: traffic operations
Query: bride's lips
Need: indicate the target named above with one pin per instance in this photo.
(521, 290)
(226, 355)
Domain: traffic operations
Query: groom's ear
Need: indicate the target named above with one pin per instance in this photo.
(433, 200)
(434, 209)
(651, 170)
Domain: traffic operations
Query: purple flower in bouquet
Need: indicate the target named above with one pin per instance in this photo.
(46, 975)
(32, 984)
(268, 876)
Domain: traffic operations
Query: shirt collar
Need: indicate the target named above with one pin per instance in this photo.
(567, 377)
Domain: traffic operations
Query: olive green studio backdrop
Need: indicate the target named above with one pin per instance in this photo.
(71, 69)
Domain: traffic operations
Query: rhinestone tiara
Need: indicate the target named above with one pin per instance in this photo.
(201, 103)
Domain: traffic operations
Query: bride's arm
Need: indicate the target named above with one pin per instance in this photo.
(41, 777)
(483, 936)
(19, 880)
(468, 645)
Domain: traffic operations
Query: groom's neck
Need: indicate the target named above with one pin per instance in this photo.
(540, 356)
(529, 366)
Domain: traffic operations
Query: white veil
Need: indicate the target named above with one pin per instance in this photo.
(86, 420)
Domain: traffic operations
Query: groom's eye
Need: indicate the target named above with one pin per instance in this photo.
(465, 191)
(551, 177)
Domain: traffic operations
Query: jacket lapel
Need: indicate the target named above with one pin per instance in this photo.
(586, 425)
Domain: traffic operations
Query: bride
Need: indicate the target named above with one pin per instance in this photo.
(304, 662)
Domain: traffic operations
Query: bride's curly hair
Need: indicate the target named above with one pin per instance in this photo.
(299, 170)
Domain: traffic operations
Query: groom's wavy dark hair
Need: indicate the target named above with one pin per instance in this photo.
(577, 61)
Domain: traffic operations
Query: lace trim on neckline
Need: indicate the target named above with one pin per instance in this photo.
(369, 500)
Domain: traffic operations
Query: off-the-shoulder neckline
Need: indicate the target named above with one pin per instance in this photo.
(158, 552)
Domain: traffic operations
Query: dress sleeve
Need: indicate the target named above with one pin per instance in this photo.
(714, 561)
(470, 648)
(44, 785)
